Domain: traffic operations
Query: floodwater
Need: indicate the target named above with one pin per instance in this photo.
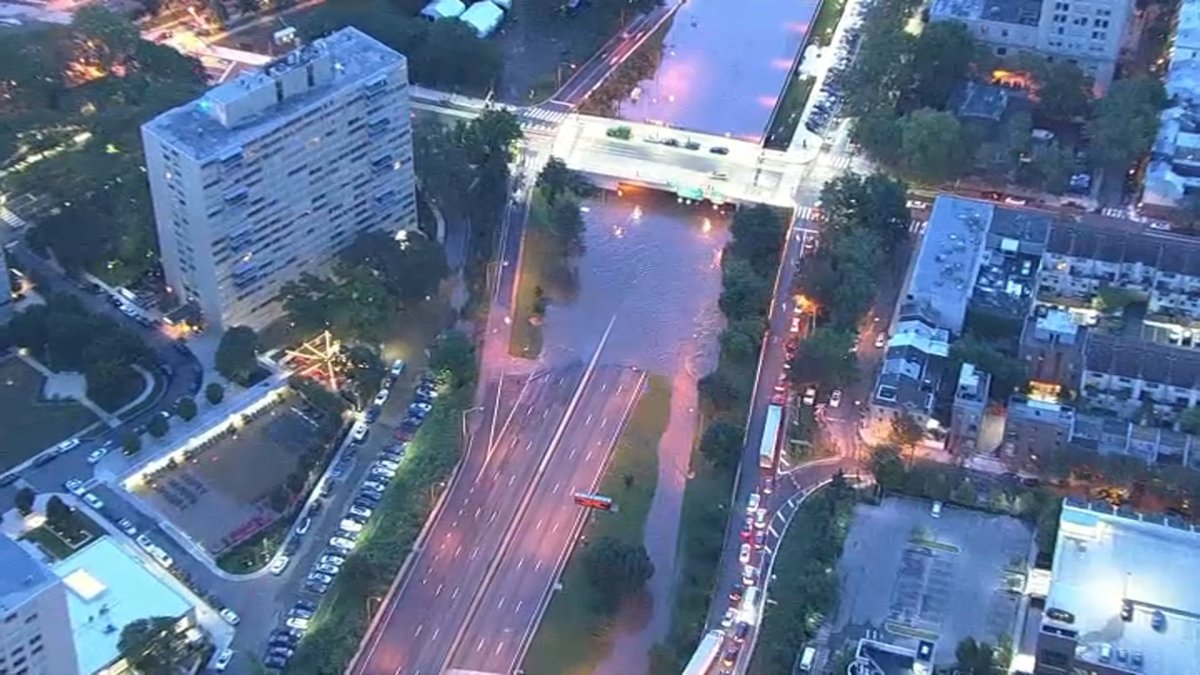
(724, 64)
(654, 265)
(652, 270)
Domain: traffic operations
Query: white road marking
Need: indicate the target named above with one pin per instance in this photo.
(474, 552)
(556, 486)
(478, 510)
(460, 510)
(500, 605)
(588, 420)
(518, 608)
(493, 516)
(435, 633)
(499, 646)
(555, 528)
(539, 524)
(589, 456)
(454, 595)
(418, 633)
(545, 413)
(457, 551)
(538, 566)
(439, 589)
(520, 563)
(603, 422)
(511, 479)
(480, 645)
(773, 532)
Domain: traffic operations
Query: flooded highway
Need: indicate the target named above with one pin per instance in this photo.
(724, 64)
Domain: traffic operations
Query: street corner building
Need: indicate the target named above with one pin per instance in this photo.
(271, 174)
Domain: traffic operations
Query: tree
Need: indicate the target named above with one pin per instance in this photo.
(974, 658)
(237, 354)
(23, 500)
(721, 444)
(878, 132)
(158, 426)
(964, 493)
(932, 145)
(153, 646)
(1062, 91)
(452, 359)
(616, 570)
(825, 358)
(131, 443)
(1113, 299)
(186, 408)
(410, 269)
(59, 516)
(757, 235)
(1189, 420)
(1008, 373)
(214, 393)
(492, 134)
(1051, 168)
(743, 290)
(906, 432)
(1124, 122)
(878, 203)
(942, 58)
(556, 181)
(887, 467)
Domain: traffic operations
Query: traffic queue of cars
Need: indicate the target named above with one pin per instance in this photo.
(355, 519)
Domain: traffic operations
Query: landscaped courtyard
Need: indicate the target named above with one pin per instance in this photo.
(30, 423)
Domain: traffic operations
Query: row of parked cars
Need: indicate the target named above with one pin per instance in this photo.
(282, 642)
(829, 100)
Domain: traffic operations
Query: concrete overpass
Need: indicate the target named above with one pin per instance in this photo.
(676, 161)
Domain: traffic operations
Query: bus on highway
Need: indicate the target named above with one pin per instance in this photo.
(770, 436)
(706, 653)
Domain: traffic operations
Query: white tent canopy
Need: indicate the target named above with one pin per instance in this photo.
(443, 9)
(483, 17)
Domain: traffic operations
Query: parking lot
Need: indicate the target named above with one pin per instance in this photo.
(222, 494)
(908, 575)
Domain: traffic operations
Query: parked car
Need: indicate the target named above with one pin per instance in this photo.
(381, 397)
(298, 623)
(74, 486)
(274, 662)
(127, 527)
(279, 564)
(332, 559)
(230, 616)
(316, 587)
(301, 612)
(397, 368)
(358, 434)
(93, 501)
(323, 578)
(350, 525)
(341, 543)
(835, 399)
(223, 660)
(331, 570)
(361, 511)
(96, 455)
(744, 554)
(760, 519)
(375, 485)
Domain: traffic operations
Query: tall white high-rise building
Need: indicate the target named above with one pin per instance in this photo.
(271, 174)
(35, 629)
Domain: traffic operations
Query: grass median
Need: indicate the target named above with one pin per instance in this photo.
(537, 255)
(345, 612)
(574, 637)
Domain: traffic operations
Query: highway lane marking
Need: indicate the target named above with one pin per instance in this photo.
(773, 532)
(493, 516)
(556, 486)
(474, 552)
(433, 637)
(538, 566)
(555, 528)
(499, 646)
(589, 456)
(520, 563)
(478, 510)
(500, 605)
(603, 422)
(511, 479)
(454, 595)
(480, 645)
(439, 589)
(588, 420)
(419, 628)
(518, 608)
(539, 524)
(457, 551)
(460, 510)
(545, 413)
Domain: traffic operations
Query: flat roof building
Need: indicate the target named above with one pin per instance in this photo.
(1173, 173)
(35, 635)
(271, 174)
(109, 589)
(1105, 561)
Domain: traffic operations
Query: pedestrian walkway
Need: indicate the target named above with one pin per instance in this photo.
(809, 213)
(69, 385)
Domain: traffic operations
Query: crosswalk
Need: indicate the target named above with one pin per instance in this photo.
(543, 117)
(14, 221)
(917, 226)
(1114, 212)
(836, 161)
(810, 213)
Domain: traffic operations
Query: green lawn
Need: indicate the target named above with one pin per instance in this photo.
(787, 118)
(826, 23)
(30, 424)
(50, 543)
(60, 545)
(572, 638)
(537, 256)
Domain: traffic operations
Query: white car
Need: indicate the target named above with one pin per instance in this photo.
(223, 660)
(278, 565)
(75, 487)
(386, 473)
(760, 519)
(810, 396)
(298, 623)
(749, 575)
(342, 543)
(323, 578)
(794, 326)
(69, 444)
(93, 501)
(388, 464)
(421, 406)
(752, 504)
(144, 542)
(96, 455)
(835, 399)
(162, 557)
(397, 368)
(744, 554)
(127, 527)
(881, 340)
(230, 616)
(375, 485)
(325, 568)
(381, 397)
(727, 620)
(359, 433)
(361, 511)
(350, 525)
(328, 559)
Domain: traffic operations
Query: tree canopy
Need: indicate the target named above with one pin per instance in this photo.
(721, 444)
(1124, 121)
(237, 354)
(824, 358)
(616, 569)
(153, 646)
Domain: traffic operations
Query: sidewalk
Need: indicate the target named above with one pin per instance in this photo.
(69, 385)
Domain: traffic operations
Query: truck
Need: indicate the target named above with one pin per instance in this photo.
(748, 610)
(706, 654)
(770, 436)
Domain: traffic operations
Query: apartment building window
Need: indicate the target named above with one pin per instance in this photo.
(1100, 23)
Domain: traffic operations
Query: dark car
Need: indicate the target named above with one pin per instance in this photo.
(735, 595)
(9, 479)
(742, 630)
(307, 604)
(1060, 615)
(719, 150)
(274, 661)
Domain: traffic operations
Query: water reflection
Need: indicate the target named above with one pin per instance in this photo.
(656, 265)
(724, 65)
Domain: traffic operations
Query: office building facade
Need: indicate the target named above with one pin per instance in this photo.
(271, 174)
(35, 631)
